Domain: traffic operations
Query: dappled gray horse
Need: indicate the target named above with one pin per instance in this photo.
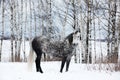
(62, 49)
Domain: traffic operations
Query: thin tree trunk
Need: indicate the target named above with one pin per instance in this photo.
(114, 47)
(94, 36)
(25, 32)
(50, 28)
(74, 24)
(12, 27)
(108, 36)
(88, 54)
(2, 37)
(20, 32)
(101, 54)
(16, 31)
(30, 24)
(35, 29)
(119, 34)
(64, 22)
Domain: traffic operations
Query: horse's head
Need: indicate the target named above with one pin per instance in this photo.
(73, 38)
(76, 37)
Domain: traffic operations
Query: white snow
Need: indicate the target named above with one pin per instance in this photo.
(18, 71)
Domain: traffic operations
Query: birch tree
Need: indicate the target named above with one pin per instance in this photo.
(88, 58)
(12, 7)
(49, 13)
(108, 34)
(25, 30)
(113, 55)
(114, 42)
(74, 22)
(30, 22)
(3, 10)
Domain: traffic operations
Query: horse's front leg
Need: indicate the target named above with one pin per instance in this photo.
(63, 63)
(68, 63)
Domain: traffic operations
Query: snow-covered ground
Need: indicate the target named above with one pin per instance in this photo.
(19, 71)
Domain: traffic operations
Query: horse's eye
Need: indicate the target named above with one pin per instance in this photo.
(74, 44)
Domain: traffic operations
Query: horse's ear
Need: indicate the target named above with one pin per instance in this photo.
(75, 32)
(78, 31)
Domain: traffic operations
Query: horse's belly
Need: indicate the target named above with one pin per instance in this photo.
(53, 52)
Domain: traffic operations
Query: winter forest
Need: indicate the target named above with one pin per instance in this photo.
(98, 22)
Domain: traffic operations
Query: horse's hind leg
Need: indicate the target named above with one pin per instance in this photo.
(63, 63)
(37, 61)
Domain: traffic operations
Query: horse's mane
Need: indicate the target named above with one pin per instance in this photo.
(69, 38)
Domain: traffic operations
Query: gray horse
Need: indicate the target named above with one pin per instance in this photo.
(61, 49)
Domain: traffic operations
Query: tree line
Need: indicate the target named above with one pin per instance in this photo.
(94, 19)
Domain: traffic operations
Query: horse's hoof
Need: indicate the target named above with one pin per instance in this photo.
(66, 70)
(60, 71)
(41, 72)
